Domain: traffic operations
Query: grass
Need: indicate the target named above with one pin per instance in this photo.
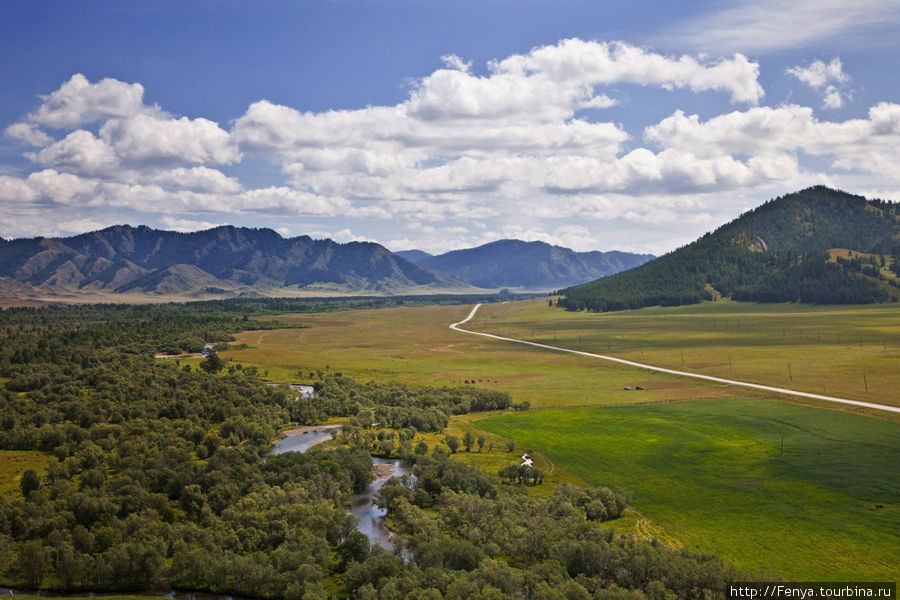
(414, 345)
(846, 351)
(15, 462)
(712, 475)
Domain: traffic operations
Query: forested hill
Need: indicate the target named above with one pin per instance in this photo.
(527, 265)
(221, 260)
(778, 252)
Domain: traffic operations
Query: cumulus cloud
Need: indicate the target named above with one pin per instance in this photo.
(29, 134)
(473, 152)
(766, 133)
(199, 179)
(828, 78)
(133, 139)
(79, 101)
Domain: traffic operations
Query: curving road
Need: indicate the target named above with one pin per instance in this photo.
(778, 390)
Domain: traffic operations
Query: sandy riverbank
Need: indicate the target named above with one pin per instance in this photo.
(383, 471)
(308, 429)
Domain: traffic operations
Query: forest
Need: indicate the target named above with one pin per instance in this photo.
(159, 478)
(775, 253)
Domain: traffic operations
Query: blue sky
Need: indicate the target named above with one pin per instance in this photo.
(438, 125)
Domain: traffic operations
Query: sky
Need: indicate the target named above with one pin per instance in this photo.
(437, 125)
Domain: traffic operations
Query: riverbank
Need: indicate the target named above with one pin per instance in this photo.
(303, 429)
(383, 470)
(302, 438)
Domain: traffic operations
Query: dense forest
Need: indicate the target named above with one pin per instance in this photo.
(158, 475)
(775, 253)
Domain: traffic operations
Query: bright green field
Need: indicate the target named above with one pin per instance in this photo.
(710, 473)
(845, 351)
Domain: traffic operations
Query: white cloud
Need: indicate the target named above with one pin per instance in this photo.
(187, 225)
(345, 235)
(78, 102)
(79, 152)
(15, 190)
(199, 179)
(77, 226)
(767, 25)
(824, 77)
(863, 144)
(159, 140)
(29, 134)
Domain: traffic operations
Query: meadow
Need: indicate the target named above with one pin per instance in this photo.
(15, 462)
(715, 476)
(414, 345)
(845, 351)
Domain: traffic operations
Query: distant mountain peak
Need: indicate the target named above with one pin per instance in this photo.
(529, 265)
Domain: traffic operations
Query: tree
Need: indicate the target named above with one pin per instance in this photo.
(212, 364)
(468, 440)
(481, 441)
(34, 562)
(421, 448)
(452, 442)
(29, 482)
(510, 445)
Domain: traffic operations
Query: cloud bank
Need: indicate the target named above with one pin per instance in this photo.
(522, 147)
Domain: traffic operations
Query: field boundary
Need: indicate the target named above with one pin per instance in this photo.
(630, 363)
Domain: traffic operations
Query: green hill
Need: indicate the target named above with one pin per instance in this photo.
(777, 252)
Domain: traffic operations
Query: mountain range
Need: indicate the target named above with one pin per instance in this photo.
(817, 245)
(221, 261)
(231, 261)
(528, 265)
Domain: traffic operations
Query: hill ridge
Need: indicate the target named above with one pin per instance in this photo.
(777, 252)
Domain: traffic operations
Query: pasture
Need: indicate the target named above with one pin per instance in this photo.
(713, 475)
(414, 345)
(845, 351)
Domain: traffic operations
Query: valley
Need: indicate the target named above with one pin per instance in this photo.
(703, 461)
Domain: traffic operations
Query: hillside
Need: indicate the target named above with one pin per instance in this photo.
(777, 252)
(528, 265)
(220, 261)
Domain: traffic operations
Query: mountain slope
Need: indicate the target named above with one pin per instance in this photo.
(414, 256)
(530, 265)
(775, 253)
(128, 259)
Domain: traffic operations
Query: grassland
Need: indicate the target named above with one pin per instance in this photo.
(845, 351)
(414, 345)
(15, 462)
(711, 474)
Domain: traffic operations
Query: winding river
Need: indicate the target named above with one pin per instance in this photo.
(362, 506)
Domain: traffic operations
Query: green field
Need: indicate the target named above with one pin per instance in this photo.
(845, 351)
(711, 473)
(15, 462)
(415, 345)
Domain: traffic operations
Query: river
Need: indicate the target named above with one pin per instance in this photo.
(303, 438)
(362, 506)
(369, 515)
